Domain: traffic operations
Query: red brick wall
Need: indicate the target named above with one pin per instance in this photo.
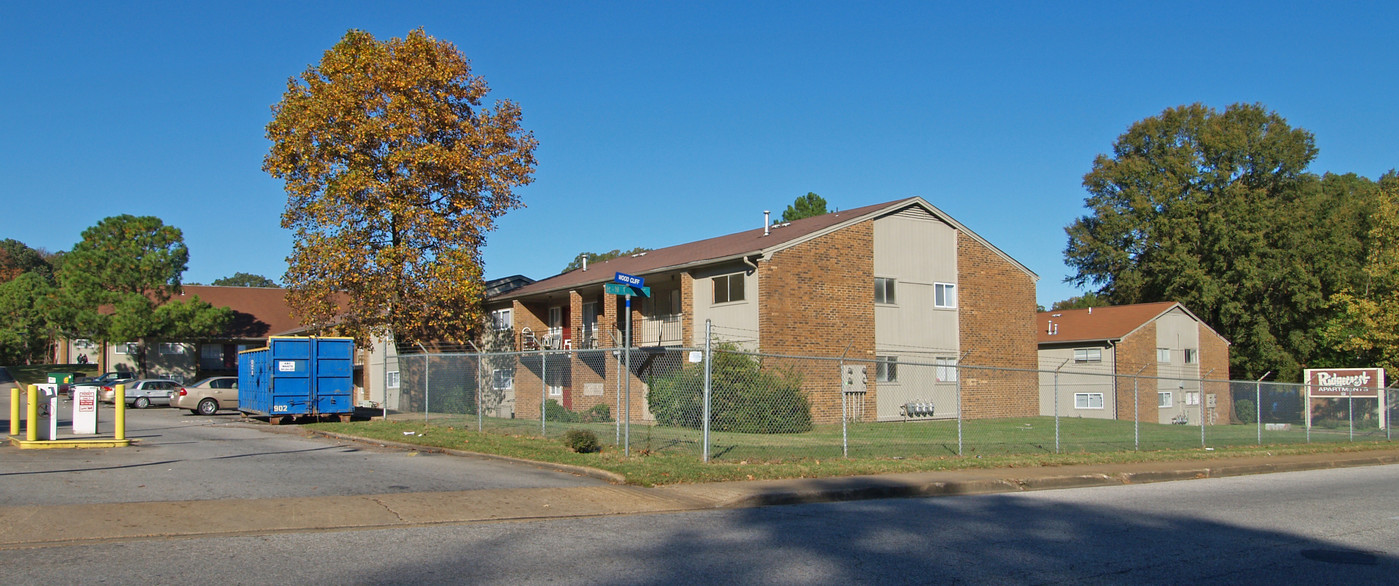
(1214, 355)
(996, 301)
(816, 298)
(1134, 351)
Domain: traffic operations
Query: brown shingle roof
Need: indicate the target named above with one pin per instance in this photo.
(730, 247)
(258, 312)
(1098, 323)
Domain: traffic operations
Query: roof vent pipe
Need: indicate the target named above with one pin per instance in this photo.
(767, 224)
(585, 262)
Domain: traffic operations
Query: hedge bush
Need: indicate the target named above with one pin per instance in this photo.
(581, 441)
(745, 397)
(1245, 411)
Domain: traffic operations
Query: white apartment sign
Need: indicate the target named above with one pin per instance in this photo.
(1343, 383)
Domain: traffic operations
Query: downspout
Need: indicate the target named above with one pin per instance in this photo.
(751, 263)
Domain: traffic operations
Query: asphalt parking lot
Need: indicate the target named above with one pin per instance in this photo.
(178, 456)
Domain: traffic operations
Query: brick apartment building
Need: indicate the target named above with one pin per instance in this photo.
(1161, 347)
(882, 283)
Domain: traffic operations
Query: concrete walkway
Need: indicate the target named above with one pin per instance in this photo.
(36, 526)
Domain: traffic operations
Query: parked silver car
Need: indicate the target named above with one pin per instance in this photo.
(206, 397)
(143, 393)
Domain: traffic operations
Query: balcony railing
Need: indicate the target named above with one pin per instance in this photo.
(658, 331)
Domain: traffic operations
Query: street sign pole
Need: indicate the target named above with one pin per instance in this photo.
(626, 450)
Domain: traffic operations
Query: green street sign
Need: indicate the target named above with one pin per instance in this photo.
(620, 289)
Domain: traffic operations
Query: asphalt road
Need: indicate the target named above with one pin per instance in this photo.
(181, 456)
(1325, 527)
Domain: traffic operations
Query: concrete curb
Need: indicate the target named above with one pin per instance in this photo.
(566, 468)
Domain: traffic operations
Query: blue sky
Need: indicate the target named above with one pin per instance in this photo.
(663, 122)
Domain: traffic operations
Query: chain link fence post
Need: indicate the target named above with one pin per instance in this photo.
(708, 372)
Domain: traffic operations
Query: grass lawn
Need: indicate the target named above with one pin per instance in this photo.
(39, 373)
(664, 455)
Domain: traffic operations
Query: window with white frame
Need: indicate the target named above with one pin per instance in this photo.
(886, 369)
(1165, 399)
(1192, 356)
(944, 295)
(1163, 355)
(503, 378)
(728, 288)
(172, 348)
(1192, 397)
(126, 348)
(501, 319)
(391, 379)
(82, 344)
(946, 370)
(884, 290)
(1088, 354)
(1088, 400)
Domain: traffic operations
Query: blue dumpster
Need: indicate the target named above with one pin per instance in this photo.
(296, 376)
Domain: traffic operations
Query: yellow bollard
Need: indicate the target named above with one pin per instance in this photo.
(14, 411)
(120, 400)
(31, 421)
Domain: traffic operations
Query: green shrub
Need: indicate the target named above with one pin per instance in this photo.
(1245, 411)
(553, 411)
(597, 414)
(581, 441)
(744, 397)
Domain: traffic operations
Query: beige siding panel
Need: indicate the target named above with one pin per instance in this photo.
(1177, 331)
(734, 321)
(916, 250)
(1076, 378)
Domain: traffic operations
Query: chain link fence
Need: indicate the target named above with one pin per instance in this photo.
(730, 405)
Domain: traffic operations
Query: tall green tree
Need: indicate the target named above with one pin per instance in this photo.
(244, 280)
(25, 332)
(1216, 210)
(117, 282)
(16, 259)
(1364, 331)
(394, 173)
(597, 257)
(1084, 301)
(806, 206)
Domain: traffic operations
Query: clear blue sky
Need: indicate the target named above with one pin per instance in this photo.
(663, 122)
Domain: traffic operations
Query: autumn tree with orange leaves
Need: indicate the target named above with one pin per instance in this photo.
(394, 174)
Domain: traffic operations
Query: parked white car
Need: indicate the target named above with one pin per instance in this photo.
(143, 393)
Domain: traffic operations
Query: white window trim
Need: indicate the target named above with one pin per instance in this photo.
(502, 319)
(502, 379)
(1088, 355)
(126, 348)
(886, 369)
(949, 295)
(946, 369)
(1192, 356)
(1163, 353)
(172, 348)
(1192, 398)
(1087, 402)
(391, 380)
(1165, 399)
